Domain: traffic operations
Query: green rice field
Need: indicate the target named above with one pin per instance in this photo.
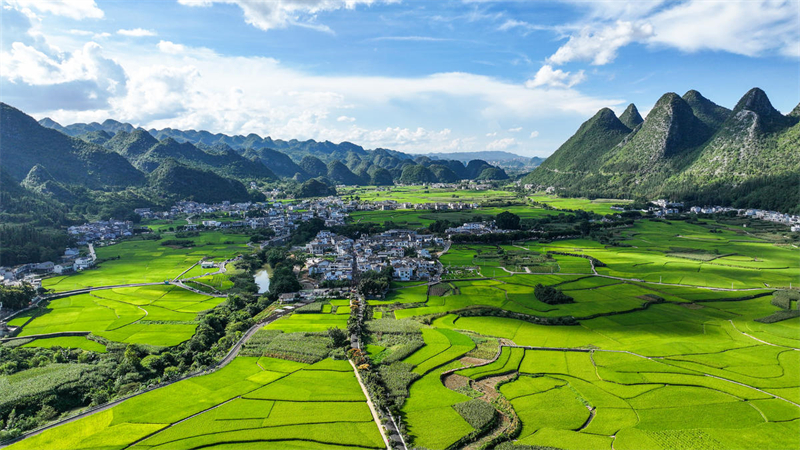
(146, 261)
(253, 402)
(155, 315)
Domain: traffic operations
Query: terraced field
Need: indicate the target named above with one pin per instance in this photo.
(155, 315)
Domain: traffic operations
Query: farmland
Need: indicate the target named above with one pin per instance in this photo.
(599, 206)
(254, 400)
(662, 359)
(410, 218)
(647, 340)
(420, 194)
(147, 261)
(155, 315)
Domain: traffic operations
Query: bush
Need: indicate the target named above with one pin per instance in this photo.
(783, 299)
(551, 295)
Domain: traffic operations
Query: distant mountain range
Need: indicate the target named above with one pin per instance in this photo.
(688, 148)
(66, 163)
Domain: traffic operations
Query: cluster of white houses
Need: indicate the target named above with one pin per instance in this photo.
(280, 217)
(102, 230)
(391, 205)
(341, 258)
(476, 228)
(32, 273)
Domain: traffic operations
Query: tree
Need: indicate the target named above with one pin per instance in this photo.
(338, 337)
(16, 297)
(507, 221)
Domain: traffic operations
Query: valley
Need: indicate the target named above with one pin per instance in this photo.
(642, 333)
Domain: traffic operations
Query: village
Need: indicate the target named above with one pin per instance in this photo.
(338, 258)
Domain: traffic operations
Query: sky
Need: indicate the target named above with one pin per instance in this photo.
(414, 76)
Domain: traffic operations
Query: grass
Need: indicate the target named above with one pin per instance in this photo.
(155, 315)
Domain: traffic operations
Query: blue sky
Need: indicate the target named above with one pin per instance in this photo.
(416, 76)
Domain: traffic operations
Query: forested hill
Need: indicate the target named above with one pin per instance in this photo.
(688, 148)
(235, 156)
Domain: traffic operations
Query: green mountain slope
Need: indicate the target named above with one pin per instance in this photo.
(688, 148)
(631, 117)
(24, 143)
(172, 178)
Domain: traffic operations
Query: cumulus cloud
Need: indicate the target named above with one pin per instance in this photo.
(534, 134)
(74, 9)
(515, 130)
(83, 79)
(136, 32)
(345, 119)
(600, 46)
(270, 14)
(492, 134)
(170, 47)
(547, 76)
(501, 144)
(193, 88)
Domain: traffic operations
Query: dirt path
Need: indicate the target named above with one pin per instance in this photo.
(375, 415)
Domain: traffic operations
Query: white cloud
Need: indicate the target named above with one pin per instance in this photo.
(194, 88)
(492, 134)
(501, 144)
(751, 28)
(74, 9)
(83, 79)
(547, 76)
(270, 14)
(600, 46)
(345, 119)
(136, 32)
(81, 32)
(170, 47)
(534, 134)
(515, 130)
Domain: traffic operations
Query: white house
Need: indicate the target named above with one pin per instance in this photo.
(404, 273)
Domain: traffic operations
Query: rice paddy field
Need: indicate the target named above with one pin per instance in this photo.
(669, 252)
(156, 315)
(664, 378)
(599, 205)
(147, 261)
(421, 194)
(253, 402)
(648, 365)
(410, 218)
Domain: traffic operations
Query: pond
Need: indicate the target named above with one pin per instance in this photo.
(262, 280)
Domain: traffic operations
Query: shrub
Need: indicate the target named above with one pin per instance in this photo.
(551, 295)
(783, 299)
